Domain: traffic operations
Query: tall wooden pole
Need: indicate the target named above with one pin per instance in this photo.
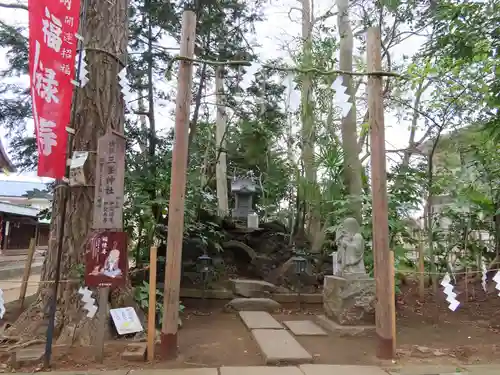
(152, 303)
(168, 345)
(27, 271)
(385, 307)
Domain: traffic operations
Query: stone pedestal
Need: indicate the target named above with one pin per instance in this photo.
(350, 300)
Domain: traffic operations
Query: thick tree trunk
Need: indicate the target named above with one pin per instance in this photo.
(311, 192)
(352, 164)
(220, 136)
(99, 106)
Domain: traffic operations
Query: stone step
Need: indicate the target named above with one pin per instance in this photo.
(259, 320)
(17, 270)
(304, 328)
(278, 347)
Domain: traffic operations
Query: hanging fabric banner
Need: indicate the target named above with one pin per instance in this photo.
(53, 25)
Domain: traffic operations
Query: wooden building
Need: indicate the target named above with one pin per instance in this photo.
(18, 225)
(20, 205)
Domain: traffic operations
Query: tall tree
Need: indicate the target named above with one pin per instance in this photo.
(310, 194)
(352, 164)
(220, 140)
(99, 107)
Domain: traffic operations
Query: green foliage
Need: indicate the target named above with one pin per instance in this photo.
(141, 295)
(456, 76)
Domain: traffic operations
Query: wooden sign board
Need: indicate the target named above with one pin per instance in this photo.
(126, 320)
(106, 263)
(110, 181)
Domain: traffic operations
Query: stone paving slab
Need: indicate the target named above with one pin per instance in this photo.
(341, 370)
(428, 370)
(176, 371)
(261, 370)
(84, 372)
(279, 346)
(305, 328)
(259, 320)
(482, 369)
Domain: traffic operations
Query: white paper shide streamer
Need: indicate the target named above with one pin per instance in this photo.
(496, 279)
(451, 297)
(2, 305)
(341, 98)
(83, 78)
(88, 301)
(484, 275)
(123, 82)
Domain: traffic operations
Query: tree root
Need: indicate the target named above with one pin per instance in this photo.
(25, 344)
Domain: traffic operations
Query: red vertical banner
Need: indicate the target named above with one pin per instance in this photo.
(53, 25)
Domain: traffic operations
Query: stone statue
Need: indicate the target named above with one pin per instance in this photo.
(351, 248)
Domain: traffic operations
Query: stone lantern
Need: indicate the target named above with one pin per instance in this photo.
(244, 189)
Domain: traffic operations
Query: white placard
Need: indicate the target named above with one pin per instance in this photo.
(126, 320)
(335, 263)
(2, 304)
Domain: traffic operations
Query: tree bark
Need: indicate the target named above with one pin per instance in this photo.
(310, 189)
(221, 124)
(352, 164)
(99, 106)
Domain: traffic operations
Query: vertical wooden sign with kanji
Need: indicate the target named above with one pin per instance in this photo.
(109, 184)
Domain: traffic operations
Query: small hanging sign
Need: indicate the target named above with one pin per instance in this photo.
(76, 168)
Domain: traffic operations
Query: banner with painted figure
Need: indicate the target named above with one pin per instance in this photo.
(53, 25)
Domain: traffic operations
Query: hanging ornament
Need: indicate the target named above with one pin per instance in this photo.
(341, 98)
(484, 275)
(123, 82)
(83, 72)
(2, 305)
(293, 96)
(262, 97)
(450, 295)
(88, 301)
(496, 279)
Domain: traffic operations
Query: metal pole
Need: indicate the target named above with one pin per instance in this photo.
(65, 197)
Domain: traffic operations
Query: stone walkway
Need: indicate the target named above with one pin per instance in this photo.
(276, 343)
(306, 369)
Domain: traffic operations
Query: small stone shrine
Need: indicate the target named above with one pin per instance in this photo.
(244, 189)
(349, 296)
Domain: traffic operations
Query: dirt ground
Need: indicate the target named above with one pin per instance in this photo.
(427, 333)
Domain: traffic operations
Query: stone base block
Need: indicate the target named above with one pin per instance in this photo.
(26, 357)
(349, 300)
(343, 330)
(135, 352)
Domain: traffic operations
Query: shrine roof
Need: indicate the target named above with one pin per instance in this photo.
(12, 188)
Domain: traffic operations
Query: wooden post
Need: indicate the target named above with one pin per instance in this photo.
(102, 316)
(27, 272)
(152, 303)
(421, 267)
(393, 268)
(466, 284)
(383, 274)
(168, 345)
